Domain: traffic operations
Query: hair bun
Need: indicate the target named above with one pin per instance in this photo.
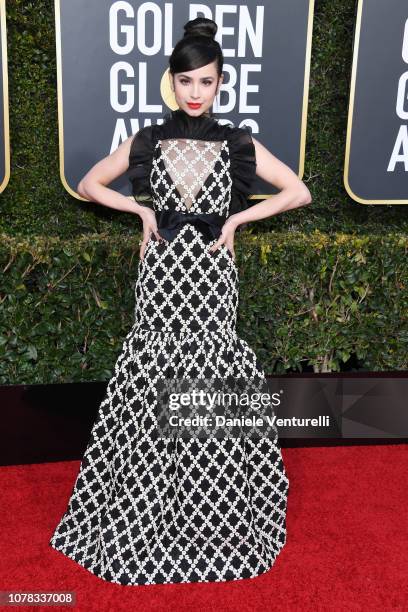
(201, 26)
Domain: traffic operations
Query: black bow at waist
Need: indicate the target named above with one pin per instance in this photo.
(169, 223)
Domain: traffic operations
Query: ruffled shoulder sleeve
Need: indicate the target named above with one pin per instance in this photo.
(140, 164)
(243, 167)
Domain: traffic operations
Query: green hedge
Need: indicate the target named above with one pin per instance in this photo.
(306, 301)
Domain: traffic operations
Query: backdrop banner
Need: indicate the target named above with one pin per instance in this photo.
(113, 74)
(4, 110)
(376, 163)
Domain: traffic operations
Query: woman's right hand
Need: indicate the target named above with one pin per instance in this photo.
(148, 217)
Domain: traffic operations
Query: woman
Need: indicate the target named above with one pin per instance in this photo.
(148, 508)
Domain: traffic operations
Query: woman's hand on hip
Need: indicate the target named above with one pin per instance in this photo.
(148, 217)
(227, 237)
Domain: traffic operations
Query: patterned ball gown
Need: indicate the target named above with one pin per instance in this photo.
(147, 509)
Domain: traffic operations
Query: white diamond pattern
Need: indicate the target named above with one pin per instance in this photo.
(189, 163)
(149, 510)
(192, 191)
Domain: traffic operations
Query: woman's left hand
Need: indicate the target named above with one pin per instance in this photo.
(227, 237)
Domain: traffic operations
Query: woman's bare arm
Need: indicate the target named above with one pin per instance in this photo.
(293, 194)
(93, 185)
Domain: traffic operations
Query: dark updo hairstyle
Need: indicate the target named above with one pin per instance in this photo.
(197, 48)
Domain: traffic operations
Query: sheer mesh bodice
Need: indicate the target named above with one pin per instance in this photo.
(193, 163)
(189, 163)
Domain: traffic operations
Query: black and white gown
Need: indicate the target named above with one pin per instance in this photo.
(146, 509)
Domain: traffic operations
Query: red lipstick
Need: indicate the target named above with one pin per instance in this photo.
(194, 104)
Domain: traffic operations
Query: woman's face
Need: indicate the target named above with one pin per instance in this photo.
(195, 90)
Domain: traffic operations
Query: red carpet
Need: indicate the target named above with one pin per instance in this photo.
(347, 546)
